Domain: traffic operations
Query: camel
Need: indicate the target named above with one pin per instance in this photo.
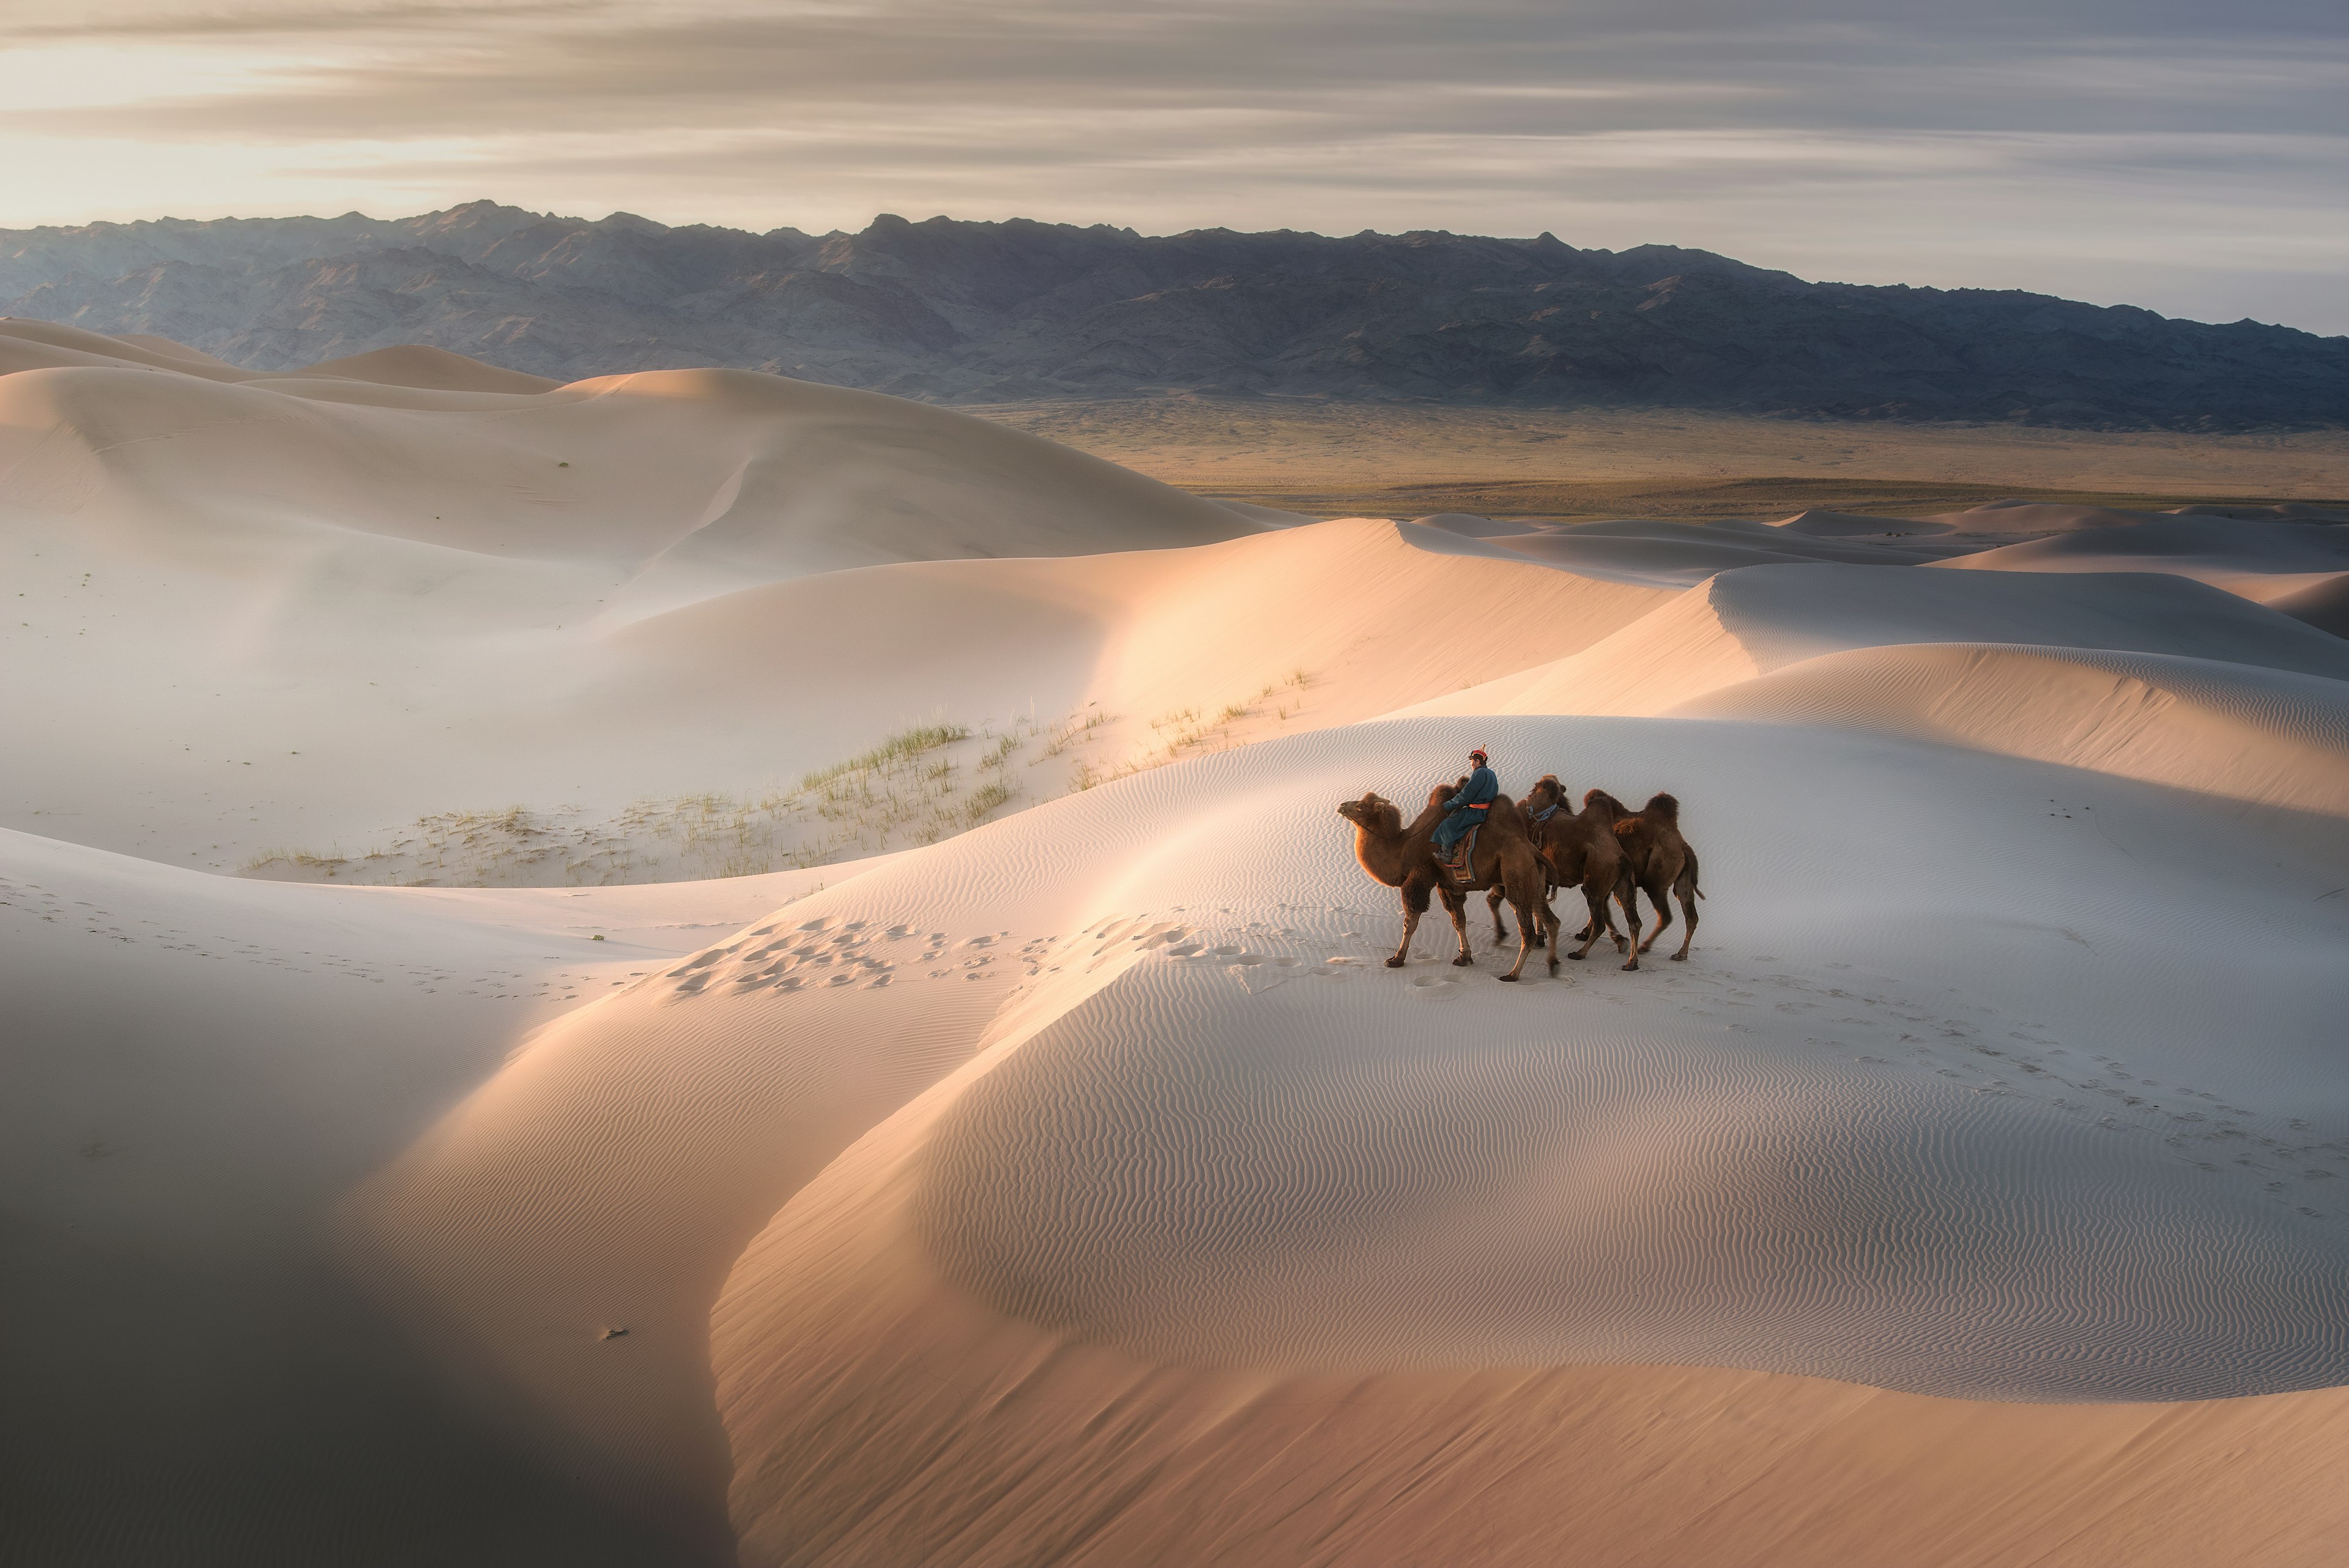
(1579, 850)
(1657, 859)
(1399, 856)
(1403, 857)
(1506, 862)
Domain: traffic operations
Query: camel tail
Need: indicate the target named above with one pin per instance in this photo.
(1694, 874)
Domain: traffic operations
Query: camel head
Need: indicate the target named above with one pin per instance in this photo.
(1545, 794)
(1374, 814)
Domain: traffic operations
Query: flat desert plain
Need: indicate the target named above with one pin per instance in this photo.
(692, 968)
(1329, 458)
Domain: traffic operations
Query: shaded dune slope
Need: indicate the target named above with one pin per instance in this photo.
(1745, 623)
(2301, 568)
(1680, 553)
(2265, 735)
(727, 474)
(200, 1069)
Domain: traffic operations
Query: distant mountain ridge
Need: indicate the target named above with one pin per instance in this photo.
(972, 312)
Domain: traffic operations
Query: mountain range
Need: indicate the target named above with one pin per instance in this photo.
(990, 311)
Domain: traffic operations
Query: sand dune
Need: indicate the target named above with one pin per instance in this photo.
(750, 477)
(1080, 1187)
(2012, 517)
(1742, 624)
(1414, 1181)
(353, 575)
(2222, 728)
(199, 1069)
(434, 369)
(1678, 555)
(2256, 558)
(1139, 636)
(2323, 604)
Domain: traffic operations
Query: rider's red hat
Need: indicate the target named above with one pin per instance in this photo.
(1479, 754)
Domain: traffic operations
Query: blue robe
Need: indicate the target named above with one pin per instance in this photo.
(1467, 807)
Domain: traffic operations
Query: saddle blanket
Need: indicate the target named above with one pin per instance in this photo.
(1464, 854)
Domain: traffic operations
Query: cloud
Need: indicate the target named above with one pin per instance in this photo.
(84, 24)
(1913, 139)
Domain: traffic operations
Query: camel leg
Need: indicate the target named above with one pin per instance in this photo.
(1457, 907)
(1551, 925)
(1657, 896)
(1628, 894)
(1688, 931)
(1493, 903)
(1592, 928)
(1529, 921)
(1410, 924)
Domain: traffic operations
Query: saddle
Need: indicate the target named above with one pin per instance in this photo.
(1462, 861)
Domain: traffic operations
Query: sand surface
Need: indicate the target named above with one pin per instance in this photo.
(1000, 1141)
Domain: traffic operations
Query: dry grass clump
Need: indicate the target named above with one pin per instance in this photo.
(906, 790)
(1076, 728)
(921, 784)
(905, 746)
(1182, 731)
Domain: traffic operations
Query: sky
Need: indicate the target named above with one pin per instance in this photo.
(2189, 156)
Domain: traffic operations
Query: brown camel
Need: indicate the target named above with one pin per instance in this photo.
(1399, 856)
(1506, 863)
(1403, 857)
(1657, 859)
(1580, 851)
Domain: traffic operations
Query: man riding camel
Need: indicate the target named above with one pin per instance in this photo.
(1467, 807)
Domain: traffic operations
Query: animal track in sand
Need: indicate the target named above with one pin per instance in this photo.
(1957, 1041)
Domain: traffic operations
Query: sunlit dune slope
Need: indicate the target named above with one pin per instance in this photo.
(1364, 609)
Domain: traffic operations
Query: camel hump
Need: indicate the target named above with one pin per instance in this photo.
(1665, 807)
(1604, 802)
